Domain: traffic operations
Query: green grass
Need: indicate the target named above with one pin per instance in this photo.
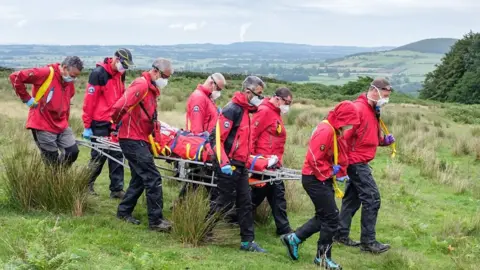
(429, 224)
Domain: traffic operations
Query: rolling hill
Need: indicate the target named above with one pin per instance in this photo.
(431, 45)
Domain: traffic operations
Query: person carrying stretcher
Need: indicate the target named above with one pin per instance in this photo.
(268, 138)
(202, 113)
(137, 112)
(326, 161)
(230, 141)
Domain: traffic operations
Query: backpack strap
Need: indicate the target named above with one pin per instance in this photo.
(43, 88)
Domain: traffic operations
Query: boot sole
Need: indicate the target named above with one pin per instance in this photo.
(374, 252)
(287, 246)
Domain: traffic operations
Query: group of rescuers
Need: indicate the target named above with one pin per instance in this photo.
(109, 106)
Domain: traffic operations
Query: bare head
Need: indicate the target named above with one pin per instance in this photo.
(122, 60)
(253, 86)
(282, 99)
(216, 83)
(379, 92)
(161, 71)
(71, 68)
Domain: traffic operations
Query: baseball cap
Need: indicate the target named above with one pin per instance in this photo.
(382, 84)
(125, 56)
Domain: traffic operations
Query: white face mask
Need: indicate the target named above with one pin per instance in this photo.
(382, 101)
(284, 108)
(255, 101)
(216, 94)
(161, 82)
(119, 66)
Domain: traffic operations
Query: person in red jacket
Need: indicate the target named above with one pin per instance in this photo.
(317, 180)
(363, 140)
(105, 86)
(137, 110)
(53, 88)
(202, 112)
(202, 115)
(268, 138)
(230, 141)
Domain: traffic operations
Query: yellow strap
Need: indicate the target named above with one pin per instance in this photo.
(338, 191)
(385, 130)
(152, 145)
(165, 150)
(279, 129)
(133, 107)
(217, 141)
(188, 152)
(43, 88)
(189, 124)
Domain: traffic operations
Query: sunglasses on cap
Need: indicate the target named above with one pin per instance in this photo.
(161, 73)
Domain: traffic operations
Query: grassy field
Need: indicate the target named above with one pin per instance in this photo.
(412, 64)
(429, 214)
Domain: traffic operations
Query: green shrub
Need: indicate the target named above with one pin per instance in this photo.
(188, 217)
(31, 184)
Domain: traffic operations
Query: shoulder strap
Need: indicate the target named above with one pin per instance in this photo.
(43, 88)
(338, 191)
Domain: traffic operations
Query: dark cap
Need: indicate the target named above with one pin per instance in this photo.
(125, 56)
(382, 84)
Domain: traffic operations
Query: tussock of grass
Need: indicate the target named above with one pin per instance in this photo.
(461, 147)
(31, 184)
(167, 103)
(296, 197)
(308, 119)
(189, 217)
(393, 171)
(263, 213)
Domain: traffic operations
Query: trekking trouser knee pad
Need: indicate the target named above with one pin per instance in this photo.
(71, 154)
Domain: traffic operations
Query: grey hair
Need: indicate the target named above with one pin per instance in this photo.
(218, 77)
(252, 82)
(73, 61)
(162, 64)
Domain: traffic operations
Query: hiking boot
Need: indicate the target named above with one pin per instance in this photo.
(117, 194)
(375, 247)
(287, 231)
(346, 241)
(129, 219)
(326, 263)
(163, 226)
(291, 241)
(251, 246)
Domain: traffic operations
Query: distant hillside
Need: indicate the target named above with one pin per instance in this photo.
(432, 45)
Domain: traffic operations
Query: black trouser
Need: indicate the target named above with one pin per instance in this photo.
(101, 129)
(361, 189)
(325, 220)
(275, 194)
(144, 176)
(227, 185)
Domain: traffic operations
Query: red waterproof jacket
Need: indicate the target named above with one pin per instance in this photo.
(136, 124)
(53, 110)
(319, 158)
(234, 125)
(201, 111)
(363, 139)
(104, 87)
(268, 132)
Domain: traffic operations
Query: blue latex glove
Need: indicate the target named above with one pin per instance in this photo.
(219, 109)
(336, 168)
(227, 169)
(389, 139)
(31, 103)
(205, 134)
(87, 133)
(342, 179)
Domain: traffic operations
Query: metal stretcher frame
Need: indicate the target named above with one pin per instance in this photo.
(184, 171)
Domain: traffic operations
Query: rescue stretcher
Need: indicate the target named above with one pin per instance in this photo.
(175, 147)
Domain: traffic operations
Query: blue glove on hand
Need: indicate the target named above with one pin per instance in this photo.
(389, 139)
(336, 168)
(87, 133)
(342, 179)
(31, 103)
(227, 169)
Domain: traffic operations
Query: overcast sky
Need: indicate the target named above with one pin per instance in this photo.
(319, 22)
